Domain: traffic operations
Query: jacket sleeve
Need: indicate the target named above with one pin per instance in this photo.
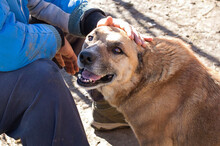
(66, 14)
(23, 43)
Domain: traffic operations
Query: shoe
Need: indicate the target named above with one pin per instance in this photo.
(106, 117)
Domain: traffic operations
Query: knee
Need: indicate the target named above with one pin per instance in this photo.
(49, 82)
(43, 70)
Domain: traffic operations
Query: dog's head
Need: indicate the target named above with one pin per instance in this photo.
(108, 57)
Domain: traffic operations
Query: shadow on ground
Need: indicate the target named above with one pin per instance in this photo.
(121, 135)
(142, 20)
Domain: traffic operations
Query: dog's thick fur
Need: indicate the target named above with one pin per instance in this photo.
(165, 93)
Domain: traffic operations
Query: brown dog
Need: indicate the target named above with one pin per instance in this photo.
(165, 93)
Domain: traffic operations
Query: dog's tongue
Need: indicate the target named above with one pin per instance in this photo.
(89, 75)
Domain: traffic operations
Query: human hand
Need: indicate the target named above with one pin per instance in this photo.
(67, 58)
(131, 31)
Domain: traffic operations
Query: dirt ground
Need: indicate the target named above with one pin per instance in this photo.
(195, 21)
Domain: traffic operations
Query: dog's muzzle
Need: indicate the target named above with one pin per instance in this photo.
(86, 77)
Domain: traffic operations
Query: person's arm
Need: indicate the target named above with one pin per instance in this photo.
(75, 17)
(21, 43)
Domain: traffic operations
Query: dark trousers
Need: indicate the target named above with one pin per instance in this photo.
(36, 106)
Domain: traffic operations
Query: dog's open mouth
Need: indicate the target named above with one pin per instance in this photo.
(89, 79)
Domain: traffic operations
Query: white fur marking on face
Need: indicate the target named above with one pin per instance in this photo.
(113, 37)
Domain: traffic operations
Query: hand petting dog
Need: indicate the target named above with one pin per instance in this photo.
(130, 30)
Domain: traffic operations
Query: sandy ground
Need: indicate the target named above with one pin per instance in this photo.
(195, 21)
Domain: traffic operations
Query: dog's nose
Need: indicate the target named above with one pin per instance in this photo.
(87, 57)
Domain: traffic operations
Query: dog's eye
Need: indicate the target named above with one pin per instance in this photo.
(90, 38)
(117, 50)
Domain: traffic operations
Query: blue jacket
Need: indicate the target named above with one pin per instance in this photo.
(22, 43)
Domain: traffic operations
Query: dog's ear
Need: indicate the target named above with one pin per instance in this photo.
(140, 62)
(140, 54)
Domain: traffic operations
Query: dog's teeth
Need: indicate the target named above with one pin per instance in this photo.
(84, 79)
